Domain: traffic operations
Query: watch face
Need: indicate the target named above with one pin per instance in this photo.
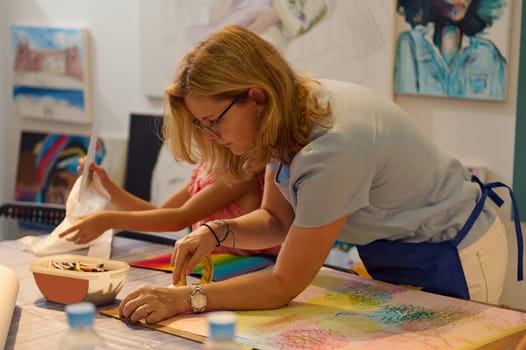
(199, 301)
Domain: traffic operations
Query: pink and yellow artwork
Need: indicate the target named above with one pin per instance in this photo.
(344, 311)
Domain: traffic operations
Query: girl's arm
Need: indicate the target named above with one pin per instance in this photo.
(120, 198)
(204, 203)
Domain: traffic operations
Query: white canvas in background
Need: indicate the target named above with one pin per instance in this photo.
(352, 41)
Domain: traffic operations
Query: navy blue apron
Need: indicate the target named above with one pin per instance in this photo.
(435, 267)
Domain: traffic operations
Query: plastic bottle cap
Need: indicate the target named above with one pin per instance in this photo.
(80, 315)
(222, 324)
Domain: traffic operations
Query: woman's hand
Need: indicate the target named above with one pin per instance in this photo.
(87, 228)
(191, 249)
(151, 304)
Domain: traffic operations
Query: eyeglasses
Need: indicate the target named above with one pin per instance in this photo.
(209, 128)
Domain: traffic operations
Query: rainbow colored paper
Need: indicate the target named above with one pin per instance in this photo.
(225, 265)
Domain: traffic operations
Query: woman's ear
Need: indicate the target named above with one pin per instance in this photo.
(258, 95)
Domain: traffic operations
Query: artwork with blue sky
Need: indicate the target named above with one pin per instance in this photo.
(50, 67)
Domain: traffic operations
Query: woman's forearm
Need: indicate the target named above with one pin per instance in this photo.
(255, 230)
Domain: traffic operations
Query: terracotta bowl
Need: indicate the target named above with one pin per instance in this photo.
(69, 287)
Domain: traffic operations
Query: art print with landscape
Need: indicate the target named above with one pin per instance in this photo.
(453, 48)
(51, 73)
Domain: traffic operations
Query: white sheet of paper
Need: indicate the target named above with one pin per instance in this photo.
(90, 157)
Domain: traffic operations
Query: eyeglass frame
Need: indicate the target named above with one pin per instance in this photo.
(209, 128)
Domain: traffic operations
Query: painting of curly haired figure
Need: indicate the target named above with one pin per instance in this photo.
(452, 48)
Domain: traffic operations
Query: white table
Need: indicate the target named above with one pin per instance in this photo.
(40, 324)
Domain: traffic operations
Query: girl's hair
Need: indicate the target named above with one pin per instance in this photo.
(227, 64)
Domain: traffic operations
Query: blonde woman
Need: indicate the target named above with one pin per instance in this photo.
(343, 163)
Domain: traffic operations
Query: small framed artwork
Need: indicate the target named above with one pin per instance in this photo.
(48, 162)
(51, 73)
(454, 49)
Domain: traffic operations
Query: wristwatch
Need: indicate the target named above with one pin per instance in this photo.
(197, 299)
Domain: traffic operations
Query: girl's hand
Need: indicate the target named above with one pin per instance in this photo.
(80, 167)
(190, 250)
(86, 229)
(94, 168)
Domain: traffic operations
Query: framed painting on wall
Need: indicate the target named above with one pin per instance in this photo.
(51, 73)
(47, 164)
(455, 49)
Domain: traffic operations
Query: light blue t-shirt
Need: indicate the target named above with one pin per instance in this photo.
(377, 167)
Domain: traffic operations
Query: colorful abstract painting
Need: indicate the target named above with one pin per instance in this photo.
(51, 73)
(344, 311)
(225, 265)
(47, 164)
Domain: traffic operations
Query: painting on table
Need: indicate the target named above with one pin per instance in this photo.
(51, 73)
(344, 311)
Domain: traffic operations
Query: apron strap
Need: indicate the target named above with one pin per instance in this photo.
(487, 190)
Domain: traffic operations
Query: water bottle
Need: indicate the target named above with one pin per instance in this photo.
(81, 334)
(221, 331)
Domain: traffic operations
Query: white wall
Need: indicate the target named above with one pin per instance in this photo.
(478, 133)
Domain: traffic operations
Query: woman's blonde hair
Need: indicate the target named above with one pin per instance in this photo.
(227, 64)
